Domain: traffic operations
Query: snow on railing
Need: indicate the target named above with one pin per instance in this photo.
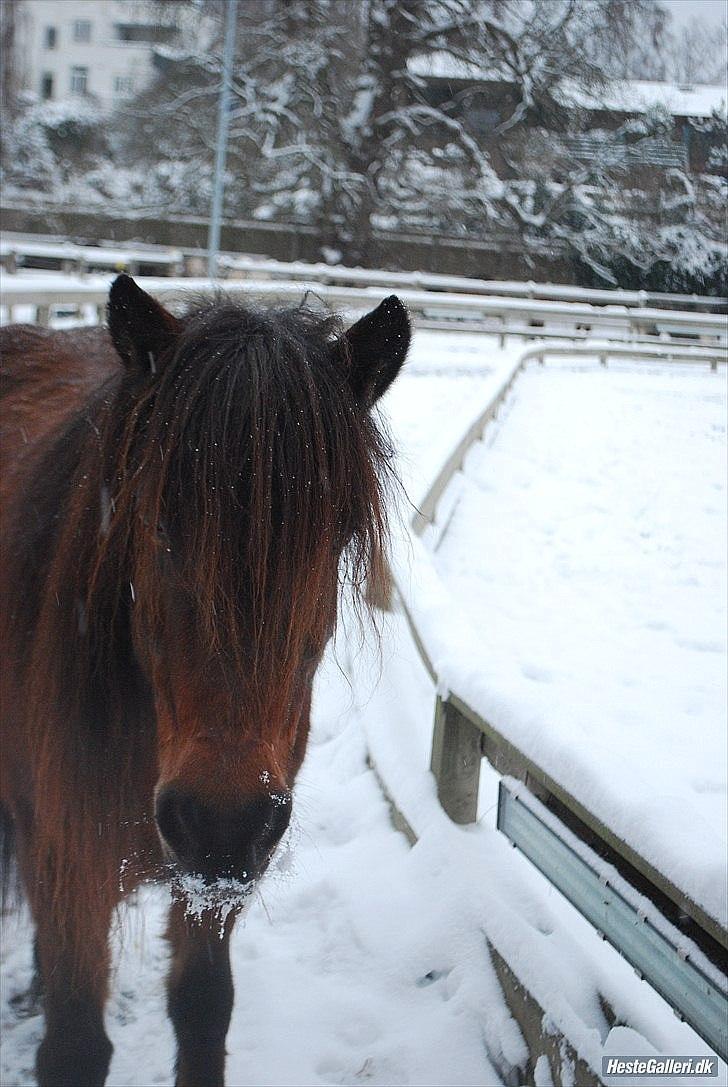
(691, 942)
(53, 254)
(50, 297)
(36, 251)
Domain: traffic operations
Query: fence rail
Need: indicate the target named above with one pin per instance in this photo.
(687, 980)
(528, 319)
(38, 251)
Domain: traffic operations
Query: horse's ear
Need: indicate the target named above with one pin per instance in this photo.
(376, 347)
(140, 328)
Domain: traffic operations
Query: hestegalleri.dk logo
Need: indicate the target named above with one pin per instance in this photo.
(659, 1066)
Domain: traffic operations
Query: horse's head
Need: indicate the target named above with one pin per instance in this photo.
(248, 477)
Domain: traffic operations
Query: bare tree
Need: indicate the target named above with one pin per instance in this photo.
(439, 115)
(333, 121)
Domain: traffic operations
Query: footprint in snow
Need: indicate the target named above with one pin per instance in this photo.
(430, 978)
(700, 645)
(537, 673)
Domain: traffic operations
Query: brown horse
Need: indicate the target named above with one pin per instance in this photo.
(181, 499)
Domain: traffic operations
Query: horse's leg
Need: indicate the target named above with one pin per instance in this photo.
(71, 958)
(72, 961)
(199, 994)
(75, 1049)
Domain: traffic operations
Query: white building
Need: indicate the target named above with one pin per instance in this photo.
(97, 49)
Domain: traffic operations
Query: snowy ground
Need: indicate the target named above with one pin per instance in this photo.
(586, 542)
(362, 960)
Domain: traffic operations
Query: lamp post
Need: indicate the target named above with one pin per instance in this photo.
(223, 121)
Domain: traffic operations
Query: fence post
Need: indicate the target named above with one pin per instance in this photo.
(455, 762)
(554, 1048)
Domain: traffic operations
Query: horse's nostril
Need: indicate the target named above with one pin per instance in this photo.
(262, 822)
(227, 841)
(178, 821)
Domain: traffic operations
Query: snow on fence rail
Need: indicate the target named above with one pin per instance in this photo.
(673, 943)
(53, 254)
(36, 251)
(593, 348)
(526, 318)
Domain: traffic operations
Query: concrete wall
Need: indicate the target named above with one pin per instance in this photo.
(491, 258)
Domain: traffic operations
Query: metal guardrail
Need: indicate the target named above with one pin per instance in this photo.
(27, 251)
(506, 316)
(461, 737)
(656, 949)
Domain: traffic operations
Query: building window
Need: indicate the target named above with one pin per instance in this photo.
(79, 80)
(82, 30)
(150, 33)
(46, 86)
(50, 37)
(124, 85)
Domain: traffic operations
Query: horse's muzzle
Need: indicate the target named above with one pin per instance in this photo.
(220, 843)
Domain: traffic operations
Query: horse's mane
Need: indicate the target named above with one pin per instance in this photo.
(248, 454)
(246, 462)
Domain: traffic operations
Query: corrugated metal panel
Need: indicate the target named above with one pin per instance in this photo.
(662, 955)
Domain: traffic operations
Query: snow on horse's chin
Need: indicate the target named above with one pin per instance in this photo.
(216, 898)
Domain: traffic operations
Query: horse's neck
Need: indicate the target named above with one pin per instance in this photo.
(51, 378)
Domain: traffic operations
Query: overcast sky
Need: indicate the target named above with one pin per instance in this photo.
(706, 11)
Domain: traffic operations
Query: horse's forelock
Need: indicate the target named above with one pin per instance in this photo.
(251, 456)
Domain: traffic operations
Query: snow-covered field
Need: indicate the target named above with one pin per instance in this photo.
(365, 961)
(586, 543)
